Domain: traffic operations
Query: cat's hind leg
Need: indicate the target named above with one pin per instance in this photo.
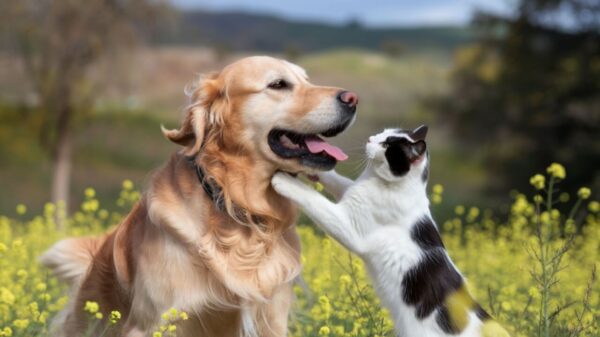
(329, 216)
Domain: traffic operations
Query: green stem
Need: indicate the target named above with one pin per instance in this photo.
(573, 212)
(544, 326)
(549, 208)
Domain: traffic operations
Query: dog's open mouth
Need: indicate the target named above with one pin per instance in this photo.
(310, 149)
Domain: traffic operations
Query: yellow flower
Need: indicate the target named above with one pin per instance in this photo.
(6, 296)
(90, 192)
(172, 328)
(157, 334)
(3, 247)
(41, 287)
(594, 207)
(345, 279)
(91, 307)
(115, 316)
(557, 171)
(459, 210)
(43, 316)
(473, 213)
(184, 316)
(21, 209)
(49, 208)
(438, 189)
(127, 184)
(99, 315)
(17, 243)
(564, 197)
(538, 181)
(319, 187)
(103, 214)
(534, 292)
(7, 332)
(324, 331)
(21, 324)
(584, 193)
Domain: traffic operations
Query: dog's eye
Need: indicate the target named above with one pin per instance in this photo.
(279, 84)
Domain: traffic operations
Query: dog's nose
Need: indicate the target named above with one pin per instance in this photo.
(348, 98)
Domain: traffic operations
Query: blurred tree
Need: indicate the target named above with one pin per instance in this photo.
(528, 93)
(58, 42)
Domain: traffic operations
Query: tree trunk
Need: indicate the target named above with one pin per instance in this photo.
(61, 165)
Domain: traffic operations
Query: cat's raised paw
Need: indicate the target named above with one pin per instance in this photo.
(287, 185)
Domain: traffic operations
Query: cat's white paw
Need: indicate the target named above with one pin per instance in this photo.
(286, 185)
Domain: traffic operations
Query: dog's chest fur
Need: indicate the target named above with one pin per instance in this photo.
(208, 262)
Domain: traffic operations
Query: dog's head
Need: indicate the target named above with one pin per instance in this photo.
(266, 109)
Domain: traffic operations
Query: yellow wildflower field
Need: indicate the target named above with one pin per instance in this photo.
(534, 269)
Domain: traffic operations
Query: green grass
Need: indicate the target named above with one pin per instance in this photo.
(109, 147)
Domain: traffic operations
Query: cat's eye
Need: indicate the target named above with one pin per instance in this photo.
(279, 84)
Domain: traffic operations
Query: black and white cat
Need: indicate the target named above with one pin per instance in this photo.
(384, 218)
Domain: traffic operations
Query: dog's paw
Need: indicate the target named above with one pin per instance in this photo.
(286, 185)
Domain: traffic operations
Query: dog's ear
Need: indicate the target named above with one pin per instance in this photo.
(198, 115)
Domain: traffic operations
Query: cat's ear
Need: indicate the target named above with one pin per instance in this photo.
(417, 150)
(419, 133)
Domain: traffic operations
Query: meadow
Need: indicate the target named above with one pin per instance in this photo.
(534, 269)
(120, 136)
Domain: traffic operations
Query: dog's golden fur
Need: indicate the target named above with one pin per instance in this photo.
(231, 271)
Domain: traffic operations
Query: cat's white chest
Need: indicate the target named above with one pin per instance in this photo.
(371, 205)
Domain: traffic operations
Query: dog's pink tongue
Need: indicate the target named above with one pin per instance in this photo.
(318, 145)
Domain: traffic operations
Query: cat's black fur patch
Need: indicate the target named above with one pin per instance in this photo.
(445, 323)
(481, 313)
(396, 158)
(427, 284)
(426, 235)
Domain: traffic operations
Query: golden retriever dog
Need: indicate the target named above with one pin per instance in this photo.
(210, 236)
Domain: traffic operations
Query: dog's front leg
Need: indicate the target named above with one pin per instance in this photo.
(329, 216)
(272, 317)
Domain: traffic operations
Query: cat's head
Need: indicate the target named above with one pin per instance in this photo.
(397, 154)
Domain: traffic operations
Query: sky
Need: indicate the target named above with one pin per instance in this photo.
(375, 13)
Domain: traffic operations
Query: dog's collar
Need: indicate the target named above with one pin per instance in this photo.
(212, 189)
(215, 193)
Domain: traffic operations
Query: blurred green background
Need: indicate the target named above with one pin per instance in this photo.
(505, 92)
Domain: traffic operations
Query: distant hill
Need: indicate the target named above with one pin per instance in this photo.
(244, 31)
